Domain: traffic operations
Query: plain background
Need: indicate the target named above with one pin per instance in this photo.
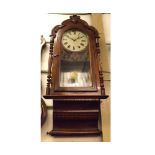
(132, 61)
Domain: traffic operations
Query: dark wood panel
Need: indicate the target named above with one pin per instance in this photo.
(76, 104)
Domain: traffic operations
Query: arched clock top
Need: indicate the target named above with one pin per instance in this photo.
(74, 20)
(74, 60)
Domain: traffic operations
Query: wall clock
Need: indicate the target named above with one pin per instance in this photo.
(75, 78)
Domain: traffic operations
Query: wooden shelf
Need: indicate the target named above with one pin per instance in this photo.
(74, 97)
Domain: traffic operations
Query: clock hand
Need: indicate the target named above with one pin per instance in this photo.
(79, 37)
(69, 37)
(74, 39)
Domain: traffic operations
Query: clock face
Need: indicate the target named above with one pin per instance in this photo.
(74, 40)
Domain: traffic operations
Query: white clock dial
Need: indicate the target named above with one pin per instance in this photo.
(74, 40)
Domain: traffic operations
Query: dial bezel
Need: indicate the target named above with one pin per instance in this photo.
(77, 30)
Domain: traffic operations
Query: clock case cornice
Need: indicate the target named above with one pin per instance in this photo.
(75, 19)
(50, 92)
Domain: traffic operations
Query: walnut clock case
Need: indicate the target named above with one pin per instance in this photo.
(75, 78)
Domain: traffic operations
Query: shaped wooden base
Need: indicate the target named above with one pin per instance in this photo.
(74, 132)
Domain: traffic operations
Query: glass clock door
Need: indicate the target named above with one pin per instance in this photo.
(75, 69)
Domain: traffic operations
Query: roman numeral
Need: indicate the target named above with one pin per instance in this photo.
(82, 44)
(65, 43)
(74, 32)
(73, 48)
(68, 46)
(79, 47)
(83, 40)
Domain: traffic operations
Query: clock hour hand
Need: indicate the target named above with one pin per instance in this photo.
(69, 37)
(72, 38)
(79, 37)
